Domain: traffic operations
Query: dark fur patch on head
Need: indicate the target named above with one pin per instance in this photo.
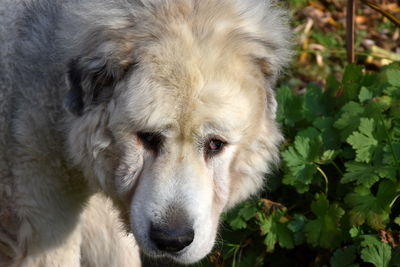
(74, 99)
(90, 85)
(103, 86)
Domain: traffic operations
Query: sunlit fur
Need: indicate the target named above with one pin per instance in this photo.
(80, 79)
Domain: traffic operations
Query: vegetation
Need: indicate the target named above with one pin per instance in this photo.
(334, 201)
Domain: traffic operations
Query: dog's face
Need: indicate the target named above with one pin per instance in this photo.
(176, 128)
(186, 129)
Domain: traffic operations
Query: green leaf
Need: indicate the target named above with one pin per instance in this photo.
(349, 119)
(385, 171)
(310, 133)
(395, 109)
(289, 108)
(299, 159)
(296, 226)
(332, 86)
(391, 157)
(382, 128)
(386, 192)
(395, 258)
(270, 241)
(284, 235)
(377, 254)
(397, 220)
(344, 257)
(325, 230)
(369, 208)
(314, 106)
(298, 222)
(354, 231)
(351, 81)
(363, 141)
(364, 207)
(361, 173)
(238, 223)
(329, 135)
(365, 94)
(320, 206)
(238, 218)
(248, 212)
(393, 91)
(393, 76)
(328, 156)
(265, 224)
(369, 240)
(275, 227)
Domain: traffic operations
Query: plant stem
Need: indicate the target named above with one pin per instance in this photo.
(386, 14)
(394, 200)
(325, 178)
(337, 167)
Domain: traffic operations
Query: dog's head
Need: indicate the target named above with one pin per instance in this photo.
(174, 113)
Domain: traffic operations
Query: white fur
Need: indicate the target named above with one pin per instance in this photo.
(189, 70)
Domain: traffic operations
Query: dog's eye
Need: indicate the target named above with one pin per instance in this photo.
(151, 141)
(214, 146)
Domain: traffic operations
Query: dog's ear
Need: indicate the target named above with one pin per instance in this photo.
(91, 81)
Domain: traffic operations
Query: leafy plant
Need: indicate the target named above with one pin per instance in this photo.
(338, 187)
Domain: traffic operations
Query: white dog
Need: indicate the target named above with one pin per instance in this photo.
(164, 106)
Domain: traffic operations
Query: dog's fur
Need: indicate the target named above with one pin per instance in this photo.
(79, 82)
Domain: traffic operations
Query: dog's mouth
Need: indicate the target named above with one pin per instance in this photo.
(155, 255)
(155, 252)
(150, 261)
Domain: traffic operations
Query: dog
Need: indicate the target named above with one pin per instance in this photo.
(132, 124)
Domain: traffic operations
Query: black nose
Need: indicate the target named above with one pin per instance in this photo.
(171, 238)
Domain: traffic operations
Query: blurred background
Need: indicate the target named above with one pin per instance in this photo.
(320, 28)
